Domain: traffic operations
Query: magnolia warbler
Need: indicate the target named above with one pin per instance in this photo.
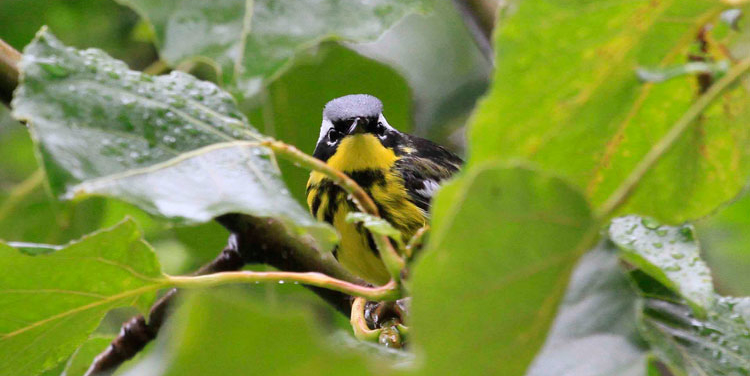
(399, 171)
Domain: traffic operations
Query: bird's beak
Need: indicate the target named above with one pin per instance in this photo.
(358, 126)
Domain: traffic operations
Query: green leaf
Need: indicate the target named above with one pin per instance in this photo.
(688, 326)
(566, 96)
(249, 41)
(668, 254)
(376, 225)
(173, 145)
(716, 345)
(725, 241)
(81, 360)
(503, 242)
(595, 332)
(229, 334)
(50, 303)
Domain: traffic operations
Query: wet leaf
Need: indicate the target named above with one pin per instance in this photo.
(176, 146)
(565, 96)
(252, 41)
(595, 332)
(50, 303)
(716, 345)
(503, 243)
(668, 254)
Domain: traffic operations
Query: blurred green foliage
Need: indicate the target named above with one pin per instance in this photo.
(565, 98)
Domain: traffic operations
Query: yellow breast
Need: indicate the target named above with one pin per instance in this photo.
(357, 154)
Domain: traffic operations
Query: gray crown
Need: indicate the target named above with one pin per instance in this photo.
(351, 106)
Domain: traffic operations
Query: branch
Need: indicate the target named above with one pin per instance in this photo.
(253, 240)
(479, 18)
(136, 332)
(9, 59)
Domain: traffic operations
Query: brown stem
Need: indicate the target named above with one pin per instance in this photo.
(9, 59)
(137, 332)
(266, 241)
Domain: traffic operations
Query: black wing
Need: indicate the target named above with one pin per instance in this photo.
(423, 166)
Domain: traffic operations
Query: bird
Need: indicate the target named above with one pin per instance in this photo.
(399, 171)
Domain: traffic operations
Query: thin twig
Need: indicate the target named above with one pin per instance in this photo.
(388, 291)
(137, 332)
(156, 68)
(359, 196)
(9, 60)
(479, 18)
(626, 188)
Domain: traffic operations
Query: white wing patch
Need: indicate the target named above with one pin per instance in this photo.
(430, 186)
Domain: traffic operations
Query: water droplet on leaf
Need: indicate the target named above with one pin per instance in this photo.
(650, 223)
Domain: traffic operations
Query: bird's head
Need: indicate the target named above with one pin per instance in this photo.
(355, 121)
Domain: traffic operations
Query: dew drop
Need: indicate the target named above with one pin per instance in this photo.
(650, 223)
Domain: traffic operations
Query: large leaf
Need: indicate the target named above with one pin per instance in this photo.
(566, 96)
(689, 327)
(221, 333)
(169, 144)
(668, 254)
(50, 303)
(249, 41)
(504, 241)
(595, 333)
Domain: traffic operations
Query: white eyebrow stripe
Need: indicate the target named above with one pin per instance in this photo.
(381, 119)
(324, 128)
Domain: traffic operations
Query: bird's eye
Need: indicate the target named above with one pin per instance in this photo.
(380, 128)
(334, 135)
